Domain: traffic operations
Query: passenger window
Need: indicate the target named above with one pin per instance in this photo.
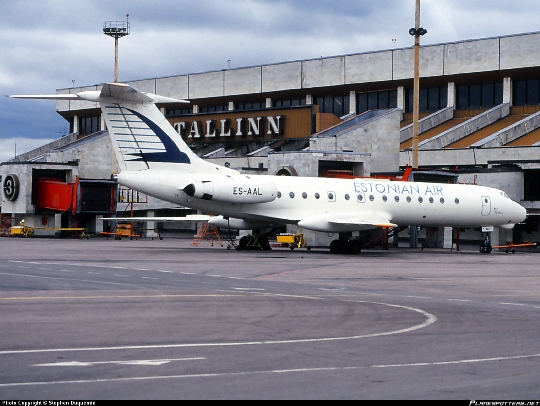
(409, 199)
(396, 198)
(291, 195)
(371, 197)
(420, 200)
(279, 195)
(442, 200)
(317, 196)
(384, 198)
(347, 197)
(331, 197)
(456, 200)
(304, 195)
(360, 198)
(431, 200)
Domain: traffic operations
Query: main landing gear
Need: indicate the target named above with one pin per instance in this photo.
(486, 247)
(253, 242)
(345, 245)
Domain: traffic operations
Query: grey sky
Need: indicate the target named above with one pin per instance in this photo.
(47, 44)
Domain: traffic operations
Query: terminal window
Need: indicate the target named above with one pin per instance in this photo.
(381, 100)
(479, 95)
(526, 92)
(431, 99)
(531, 184)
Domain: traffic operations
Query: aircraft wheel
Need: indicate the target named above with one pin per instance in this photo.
(242, 243)
(355, 247)
(486, 248)
(264, 243)
(334, 247)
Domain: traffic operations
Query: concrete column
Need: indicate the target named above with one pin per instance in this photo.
(150, 225)
(495, 236)
(401, 98)
(76, 124)
(57, 221)
(269, 103)
(451, 95)
(447, 237)
(103, 124)
(309, 100)
(195, 109)
(352, 102)
(98, 225)
(231, 106)
(507, 91)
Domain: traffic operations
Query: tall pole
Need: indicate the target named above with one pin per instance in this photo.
(416, 90)
(116, 60)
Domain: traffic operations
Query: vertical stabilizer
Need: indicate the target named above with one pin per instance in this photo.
(142, 137)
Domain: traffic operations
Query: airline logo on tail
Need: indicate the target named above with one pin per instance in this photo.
(141, 139)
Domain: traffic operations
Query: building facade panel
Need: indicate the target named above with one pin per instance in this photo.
(471, 56)
(243, 81)
(281, 76)
(431, 62)
(520, 51)
(174, 86)
(146, 85)
(208, 84)
(369, 67)
(323, 72)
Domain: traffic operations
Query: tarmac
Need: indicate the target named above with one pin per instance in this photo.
(160, 319)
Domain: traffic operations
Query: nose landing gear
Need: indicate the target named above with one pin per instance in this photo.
(486, 247)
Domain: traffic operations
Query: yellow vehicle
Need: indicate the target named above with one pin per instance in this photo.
(292, 241)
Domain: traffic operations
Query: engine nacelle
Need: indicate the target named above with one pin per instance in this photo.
(241, 190)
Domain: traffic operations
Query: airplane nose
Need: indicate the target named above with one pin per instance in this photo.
(523, 213)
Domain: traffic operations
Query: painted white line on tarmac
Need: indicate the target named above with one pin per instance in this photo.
(430, 319)
(143, 362)
(275, 371)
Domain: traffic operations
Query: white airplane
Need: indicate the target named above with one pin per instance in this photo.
(154, 159)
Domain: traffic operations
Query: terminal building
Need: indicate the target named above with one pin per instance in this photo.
(341, 116)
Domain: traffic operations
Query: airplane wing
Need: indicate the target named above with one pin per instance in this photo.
(343, 222)
(376, 220)
(192, 217)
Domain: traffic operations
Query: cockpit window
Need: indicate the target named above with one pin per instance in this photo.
(503, 194)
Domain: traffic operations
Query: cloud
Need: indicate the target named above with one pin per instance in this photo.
(47, 45)
(20, 145)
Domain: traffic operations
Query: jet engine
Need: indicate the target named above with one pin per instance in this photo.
(232, 190)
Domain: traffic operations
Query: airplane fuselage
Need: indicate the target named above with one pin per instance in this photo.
(312, 202)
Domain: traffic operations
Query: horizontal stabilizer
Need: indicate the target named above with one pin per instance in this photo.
(110, 92)
(45, 96)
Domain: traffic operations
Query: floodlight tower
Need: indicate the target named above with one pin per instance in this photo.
(116, 30)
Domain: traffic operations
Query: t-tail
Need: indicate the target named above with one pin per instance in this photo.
(142, 137)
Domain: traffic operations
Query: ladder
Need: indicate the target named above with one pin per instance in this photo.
(207, 232)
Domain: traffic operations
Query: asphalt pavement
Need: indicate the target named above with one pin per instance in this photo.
(141, 319)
